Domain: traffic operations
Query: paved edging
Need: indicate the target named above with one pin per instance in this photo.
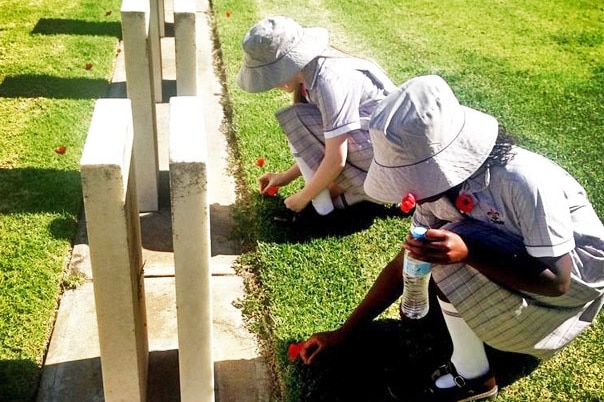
(72, 368)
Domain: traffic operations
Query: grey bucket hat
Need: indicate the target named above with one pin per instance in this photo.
(425, 142)
(275, 49)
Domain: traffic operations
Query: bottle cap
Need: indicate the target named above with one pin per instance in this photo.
(418, 232)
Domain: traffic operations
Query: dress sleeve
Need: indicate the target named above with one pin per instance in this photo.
(541, 209)
(338, 98)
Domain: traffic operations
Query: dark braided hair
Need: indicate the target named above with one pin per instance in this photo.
(500, 155)
(502, 150)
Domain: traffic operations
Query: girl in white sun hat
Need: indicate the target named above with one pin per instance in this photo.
(327, 126)
(517, 250)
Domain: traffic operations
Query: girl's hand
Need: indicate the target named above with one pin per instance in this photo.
(318, 343)
(296, 202)
(269, 180)
(440, 246)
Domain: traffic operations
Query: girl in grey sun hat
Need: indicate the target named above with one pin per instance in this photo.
(276, 49)
(327, 126)
(517, 249)
(425, 142)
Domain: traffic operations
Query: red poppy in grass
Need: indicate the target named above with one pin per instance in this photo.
(408, 203)
(228, 14)
(294, 350)
(60, 150)
(272, 191)
(465, 203)
(260, 162)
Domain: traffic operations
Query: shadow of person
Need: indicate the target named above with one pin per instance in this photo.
(308, 224)
(393, 354)
(387, 351)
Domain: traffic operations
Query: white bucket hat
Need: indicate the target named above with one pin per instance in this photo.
(275, 49)
(425, 142)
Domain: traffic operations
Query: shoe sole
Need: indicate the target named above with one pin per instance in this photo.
(490, 395)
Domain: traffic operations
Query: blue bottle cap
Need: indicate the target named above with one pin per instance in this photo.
(418, 232)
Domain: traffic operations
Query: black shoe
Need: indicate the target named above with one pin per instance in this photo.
(307, 218)
(286, 217)
(465, 390)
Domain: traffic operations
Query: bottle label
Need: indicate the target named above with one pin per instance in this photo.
(413, 267)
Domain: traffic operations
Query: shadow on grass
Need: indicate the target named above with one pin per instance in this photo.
(18, 380)
(280, 226)
(52, 87)
(34, 190)
(60, 26)
(400, 354)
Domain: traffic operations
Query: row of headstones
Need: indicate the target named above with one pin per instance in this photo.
(142, 24)
(119, 156)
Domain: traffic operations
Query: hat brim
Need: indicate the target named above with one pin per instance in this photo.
(313, 43)
(450, 167)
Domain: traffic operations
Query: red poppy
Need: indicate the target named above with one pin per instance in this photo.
(228, 14)
(465, 203)
(294, 350)
(272, 191)
(260, 162)
(408, 203)
(60, 150)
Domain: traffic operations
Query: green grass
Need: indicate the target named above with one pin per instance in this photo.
(538, 67)
(46, 100)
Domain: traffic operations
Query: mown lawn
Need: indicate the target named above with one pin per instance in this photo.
(537, 67)
(56, 58)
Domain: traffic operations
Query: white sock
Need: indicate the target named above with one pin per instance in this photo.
(469, 356)
(322, 202)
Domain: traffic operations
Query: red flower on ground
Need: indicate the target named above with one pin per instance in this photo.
(228, 14)
(294, 350)
(272, 191)
(408, 203)
(260, 162)
(60, 150)
(465, 203)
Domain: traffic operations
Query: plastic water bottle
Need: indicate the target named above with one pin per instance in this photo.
(322, 202)
(416, 277)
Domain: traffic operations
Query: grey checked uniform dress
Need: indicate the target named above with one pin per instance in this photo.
(530, 205)
(342, 92)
